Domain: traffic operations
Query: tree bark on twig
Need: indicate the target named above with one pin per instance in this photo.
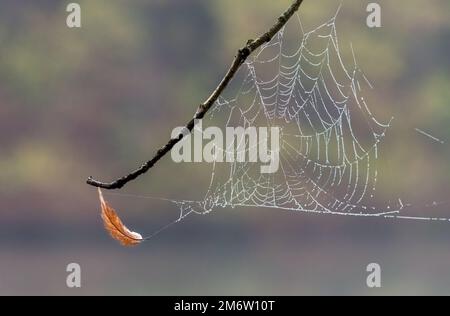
(238, 61)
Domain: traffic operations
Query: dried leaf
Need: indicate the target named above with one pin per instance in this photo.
(115, 227)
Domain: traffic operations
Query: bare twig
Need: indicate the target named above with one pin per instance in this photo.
(238, 61)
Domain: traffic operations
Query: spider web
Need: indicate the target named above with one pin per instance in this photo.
(327, 161)
(329, 137)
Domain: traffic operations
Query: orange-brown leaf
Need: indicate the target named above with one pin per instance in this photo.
(115, 227)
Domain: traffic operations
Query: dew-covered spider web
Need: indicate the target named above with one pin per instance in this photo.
(330, 137)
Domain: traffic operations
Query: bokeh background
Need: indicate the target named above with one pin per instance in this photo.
(99, 100)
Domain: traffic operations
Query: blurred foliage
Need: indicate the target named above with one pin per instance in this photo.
(98, 100)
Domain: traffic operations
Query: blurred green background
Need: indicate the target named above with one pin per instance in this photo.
(99, 100)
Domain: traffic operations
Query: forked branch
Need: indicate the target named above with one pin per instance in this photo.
(238, 61)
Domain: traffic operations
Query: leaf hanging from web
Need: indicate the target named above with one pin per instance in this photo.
(115, 227)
